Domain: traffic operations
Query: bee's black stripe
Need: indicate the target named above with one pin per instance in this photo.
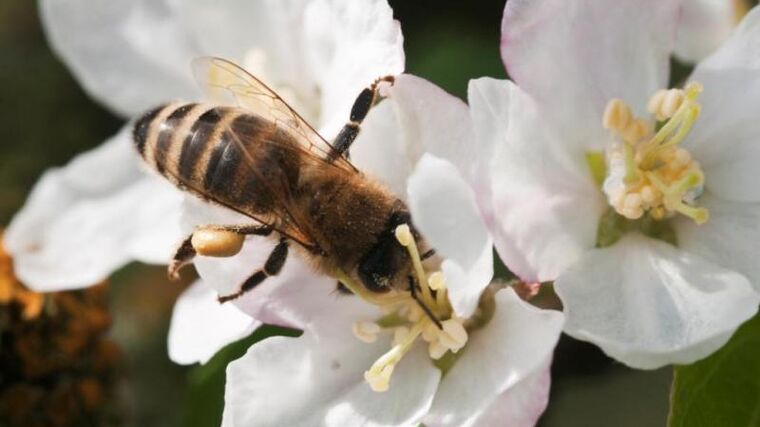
(142, 127)
(196, 142)
(221, 178)
(166, 134)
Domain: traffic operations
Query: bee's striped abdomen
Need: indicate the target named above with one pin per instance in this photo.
(219, 153)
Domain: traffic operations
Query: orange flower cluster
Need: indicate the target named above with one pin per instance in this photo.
(56, 366)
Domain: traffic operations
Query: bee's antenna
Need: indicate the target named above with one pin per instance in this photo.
(426, 309)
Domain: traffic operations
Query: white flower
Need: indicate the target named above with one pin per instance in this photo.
(704, 24)
(361, 364)
(101, 211)
(578, 67)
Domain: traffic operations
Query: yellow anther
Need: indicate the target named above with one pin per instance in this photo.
(404, 235)
(681, 157)
(379, 381)
(454, 335)
(693, 89)
(617, 115)
(636, 130)
(632, 201)
(366, 331)
(436, 350)
(655, 103)
(671, 102)
(430, 333)
(436, 281)
(648, 195)
(379, 374)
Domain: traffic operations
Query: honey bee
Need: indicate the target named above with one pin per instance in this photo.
(255, 155)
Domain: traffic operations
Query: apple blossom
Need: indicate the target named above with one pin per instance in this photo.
(377, 360)
(644, 221)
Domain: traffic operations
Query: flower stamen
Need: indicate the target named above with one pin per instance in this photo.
(654, 175)
(409, 316)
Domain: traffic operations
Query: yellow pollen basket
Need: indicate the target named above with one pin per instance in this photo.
(648, 173)
(406, 320)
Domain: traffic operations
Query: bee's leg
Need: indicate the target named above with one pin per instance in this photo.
(359, 111)
(341, 289)
(214, 240)
(272, 267)
(427, 254)
(426, 309)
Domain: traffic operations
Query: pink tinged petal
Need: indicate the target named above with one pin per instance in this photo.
(89, 218)
(504, 363)
(433, 121)
(444, 210)
(540, 201)
(649, 304)
(702, 26)
(318, 379)
(127, 55)
(523, 404)
(573, 57)
(730, 238)
(381, 152)
(725, 138)
(200, 326)
(417, 117)
(348, 44)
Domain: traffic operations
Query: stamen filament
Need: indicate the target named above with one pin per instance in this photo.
(683, 130)
(631, 171)
(404, 236)
(699, 215)
(378, 375)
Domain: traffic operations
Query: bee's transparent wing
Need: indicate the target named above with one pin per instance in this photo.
(226, 83)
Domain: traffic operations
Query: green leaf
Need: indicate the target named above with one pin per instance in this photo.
(722, 390)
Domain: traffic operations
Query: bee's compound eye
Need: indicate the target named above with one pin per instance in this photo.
(375, 283)
(378, 266)
(217, 243)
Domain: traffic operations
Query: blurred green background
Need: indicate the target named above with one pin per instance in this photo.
(46, 120)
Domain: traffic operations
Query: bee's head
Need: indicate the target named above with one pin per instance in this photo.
(387, 263)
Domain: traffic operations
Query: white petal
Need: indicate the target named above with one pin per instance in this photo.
(576, 56)
(89, 218)
(522, 404)
(250, 25)
(544, 207)
(444, 210)
(417, 117)
(648, 304)
(381, 151)
(318, 380)
(513, 347)
(729, 238)
(349, 44)
(725, 137)
(200, 326)
(129, 55)
(702, 26)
